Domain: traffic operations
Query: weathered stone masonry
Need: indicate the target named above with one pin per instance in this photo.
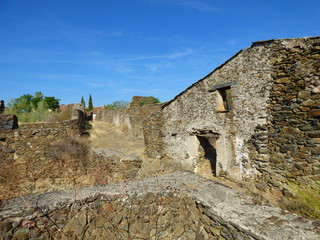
(130, 118)
(168, 207)
(271, 128)
(8, 123)
(30, 141)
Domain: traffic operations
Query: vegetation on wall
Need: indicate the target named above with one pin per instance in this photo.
(117, 105)
(149, 100)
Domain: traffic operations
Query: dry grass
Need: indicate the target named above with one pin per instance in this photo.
(68, 163)
(108, 136)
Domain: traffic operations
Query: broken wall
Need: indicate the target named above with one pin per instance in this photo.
(130, 119)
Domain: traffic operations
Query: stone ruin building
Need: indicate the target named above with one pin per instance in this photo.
(255, 116)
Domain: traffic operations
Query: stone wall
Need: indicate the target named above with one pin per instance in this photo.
(153, 135)
(131, 118)
(169, 207)
(271, 131)
(196, 112)
(30, 140)
(294, 122)
(33, 139)
(121, 167)
(26, 152)
(8, 123)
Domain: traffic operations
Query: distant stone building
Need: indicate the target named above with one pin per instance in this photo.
(255, 116)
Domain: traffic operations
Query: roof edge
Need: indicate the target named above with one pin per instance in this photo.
(254, 44)
(219, 67)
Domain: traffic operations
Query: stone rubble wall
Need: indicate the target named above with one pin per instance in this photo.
(30, 140)
(8, 123)
(33, 139)
(294, 121)
(153, 135)
(130, 119)
(168, 207)
(121, 167)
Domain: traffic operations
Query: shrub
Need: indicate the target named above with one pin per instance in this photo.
(149, 100)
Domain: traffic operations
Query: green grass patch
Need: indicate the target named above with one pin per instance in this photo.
(305, 202)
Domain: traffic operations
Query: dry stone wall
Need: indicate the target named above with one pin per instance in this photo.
(30, 141)
(169, 207)
(8, 123)
(294, 126)
(33, 139)
(121, 167)
(131, 118)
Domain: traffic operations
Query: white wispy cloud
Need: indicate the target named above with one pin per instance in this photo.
(198, 5)
(174, 55)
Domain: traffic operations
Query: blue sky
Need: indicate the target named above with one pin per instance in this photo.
(116, 49)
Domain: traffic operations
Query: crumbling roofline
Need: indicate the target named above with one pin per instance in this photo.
(256, 43)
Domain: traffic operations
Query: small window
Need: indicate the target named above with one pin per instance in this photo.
(224, 99)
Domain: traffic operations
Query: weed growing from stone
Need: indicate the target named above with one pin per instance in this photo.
(305, 201)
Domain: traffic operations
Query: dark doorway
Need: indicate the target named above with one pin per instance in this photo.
(208, 152)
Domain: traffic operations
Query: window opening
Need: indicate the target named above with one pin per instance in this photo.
(224, 99)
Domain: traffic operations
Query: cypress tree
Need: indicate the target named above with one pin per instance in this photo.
(83, 102)
(90, 105)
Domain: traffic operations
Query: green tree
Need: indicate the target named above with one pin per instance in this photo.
(51, 103)
(83, 102)
(90, 105)
(37, 98)
(22, 104)
(35, 108)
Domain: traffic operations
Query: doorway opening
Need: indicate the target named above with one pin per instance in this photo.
(207, 152)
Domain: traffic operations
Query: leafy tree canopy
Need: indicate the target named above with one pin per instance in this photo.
(28, 103)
